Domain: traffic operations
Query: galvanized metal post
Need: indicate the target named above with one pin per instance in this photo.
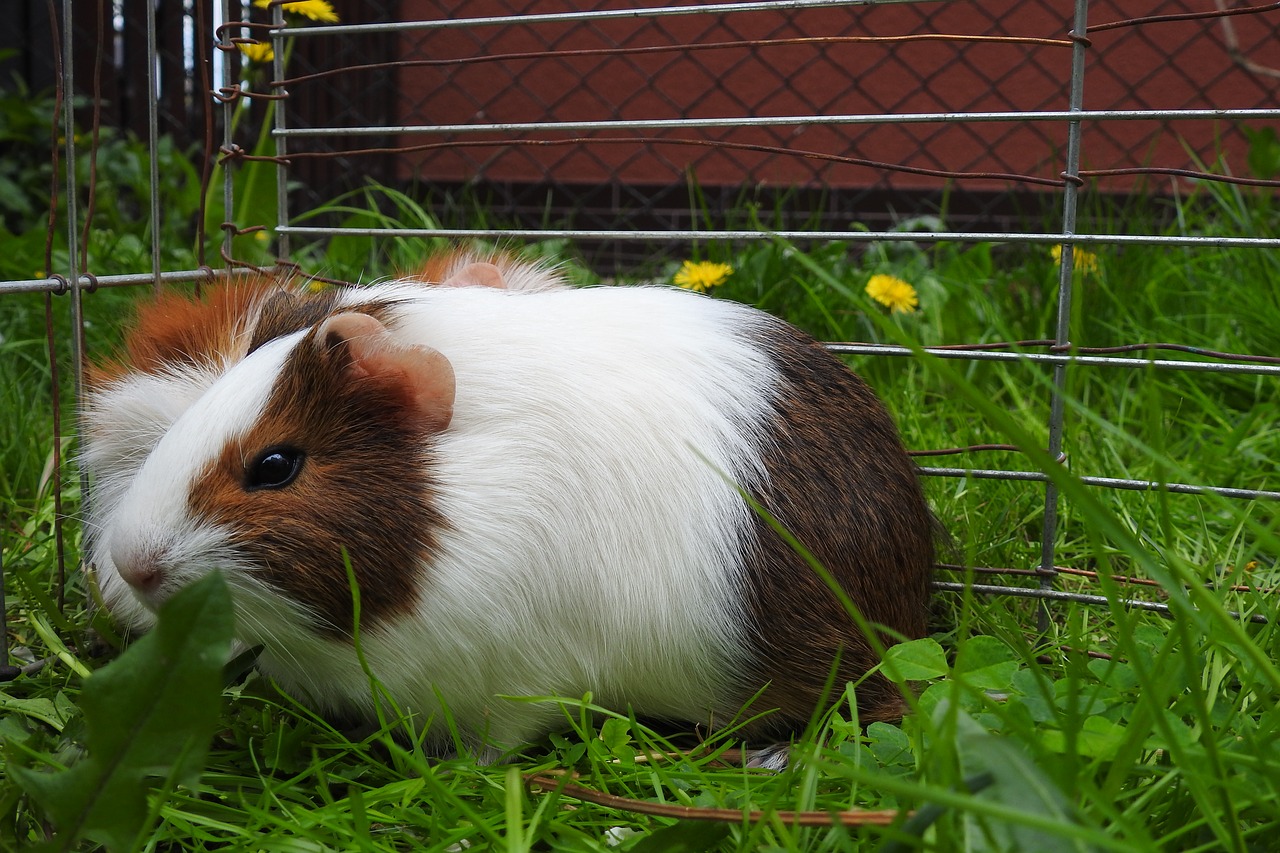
(1062, 334)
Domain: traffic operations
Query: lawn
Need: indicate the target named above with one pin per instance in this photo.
(1114, 728)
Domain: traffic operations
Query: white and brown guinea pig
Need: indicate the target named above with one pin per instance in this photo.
(538, 487)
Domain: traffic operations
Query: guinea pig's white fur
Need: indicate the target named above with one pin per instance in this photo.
(126, 419)
(592, 534)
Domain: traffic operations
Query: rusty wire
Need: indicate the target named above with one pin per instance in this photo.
(54, 375)
(1218, 13)
(240, 154)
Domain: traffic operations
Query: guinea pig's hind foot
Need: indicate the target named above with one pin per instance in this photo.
(774, 757)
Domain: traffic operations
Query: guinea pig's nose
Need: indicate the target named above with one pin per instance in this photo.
(142, 569)
(144, 576)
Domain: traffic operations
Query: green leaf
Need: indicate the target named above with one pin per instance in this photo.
(1121, 676)
(149, 717)
(985, 663)
(1098, 737)
(43, 710)
(890, 745)
(915, 660)
(684, 837)
(1019, 784)
(982, 651)
(616, 734)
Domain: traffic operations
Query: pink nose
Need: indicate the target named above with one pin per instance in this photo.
(143, 575)
(143, 569)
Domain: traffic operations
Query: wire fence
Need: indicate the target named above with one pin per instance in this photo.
(834, 105)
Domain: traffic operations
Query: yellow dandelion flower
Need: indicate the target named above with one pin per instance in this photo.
(701, 275)
(893, 293)
(1082, 260)
(316, 10)
(259, 54)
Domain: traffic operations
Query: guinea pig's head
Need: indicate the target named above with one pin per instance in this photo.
(311, 451)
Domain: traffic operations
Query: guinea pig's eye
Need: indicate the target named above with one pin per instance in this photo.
(275, 468)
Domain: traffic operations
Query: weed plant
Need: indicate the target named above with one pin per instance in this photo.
(1115, 728)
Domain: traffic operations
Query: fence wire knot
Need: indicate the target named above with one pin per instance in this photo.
(221, 30)
(63, 285)
(236, 231)
(228, 94)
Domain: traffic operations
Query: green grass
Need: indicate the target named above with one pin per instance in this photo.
(1116, 729)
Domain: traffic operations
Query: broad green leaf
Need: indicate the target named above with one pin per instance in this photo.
(1121, 676)
(149, 717)
(985, 663)
(890, 745)
(981, 651)
(1098, 737)
(915, 660)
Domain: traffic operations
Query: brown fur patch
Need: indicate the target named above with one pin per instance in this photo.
(840, 481)
(174, 329)
(440, 265)
(364, 487)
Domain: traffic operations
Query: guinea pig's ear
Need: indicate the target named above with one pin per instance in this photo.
(476, 274)
(422, 373)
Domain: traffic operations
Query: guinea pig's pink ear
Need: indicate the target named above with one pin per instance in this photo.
(476, 275)
(423, 374)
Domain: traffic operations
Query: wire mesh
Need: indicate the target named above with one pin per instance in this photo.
(604, 114)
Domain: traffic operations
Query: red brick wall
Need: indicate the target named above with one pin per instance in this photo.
(1154, 66)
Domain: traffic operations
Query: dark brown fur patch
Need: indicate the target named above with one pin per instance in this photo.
(364, 487)
(840, 481)
(286, 312)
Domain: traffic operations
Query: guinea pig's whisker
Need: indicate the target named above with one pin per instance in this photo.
(91, 524)
(253, 601)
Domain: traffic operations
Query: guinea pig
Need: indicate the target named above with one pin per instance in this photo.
(541, 491)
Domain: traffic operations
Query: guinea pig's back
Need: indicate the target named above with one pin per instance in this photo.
(591, 482)
(589, 486)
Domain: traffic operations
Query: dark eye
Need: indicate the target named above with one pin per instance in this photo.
(275, 468)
